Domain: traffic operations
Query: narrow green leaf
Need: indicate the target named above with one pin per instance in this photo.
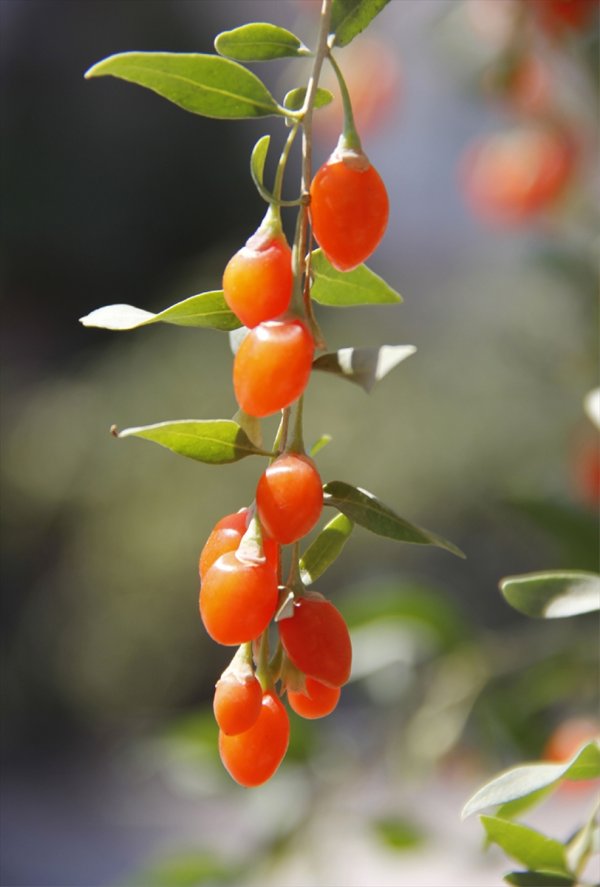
(366, 510)
(319, 444)
(539, 879)
(216, 442)
(326, 548)
(521, 781)
(533, 849)
(204, 310)
(294, 99)
(258, 159)
(203, 84)
(342, 289)
(364, 366)
(553, 594)
(259, 42)
(582, 845)
(350, 17)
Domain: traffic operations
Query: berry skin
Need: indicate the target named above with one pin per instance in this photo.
(258, 280)
(252, 757)
(317, 701)
(237, 599)
(349, 208)
(237, 703)
(289, 497)
(227, 535)
(272, 366)
(317, 641)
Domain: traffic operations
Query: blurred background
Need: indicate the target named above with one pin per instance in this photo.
(481, 118)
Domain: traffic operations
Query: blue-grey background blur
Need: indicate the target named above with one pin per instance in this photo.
(111, 195)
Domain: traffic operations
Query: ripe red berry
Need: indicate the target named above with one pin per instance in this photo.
(349, 208)
(317, 701)
(316, 639)
(258, 280)
(227, 535)
(252, 757)
(237, 703)
(289, 497)
(237, 599)
(272, 366)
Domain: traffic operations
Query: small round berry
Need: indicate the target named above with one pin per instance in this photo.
(237, 703)
(237, 599)
(252, 757)
(349, 208)
(316, 639)
(289, 497)
(316, 701)
(272, 366)
(258, 280)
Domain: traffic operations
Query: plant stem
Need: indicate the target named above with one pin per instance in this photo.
(263, 672)
(280, 442)
(297, 442)
(277, 186)
(350, 138)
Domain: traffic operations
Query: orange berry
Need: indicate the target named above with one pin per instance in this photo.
(227, 535)
(252, 757)
(258, 280)
(316, 639)
(237, 703)
(289, 497)
(317, 701)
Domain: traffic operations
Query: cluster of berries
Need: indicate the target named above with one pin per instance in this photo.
(241, 591)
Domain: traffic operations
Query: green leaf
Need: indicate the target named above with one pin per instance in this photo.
(258, 159)
(539, 879)
(342, 289)
(319, 444)
(364, 366)
(399, 834)
(553, 594)
(215, 441)
(203, 84)
(519, 805)
(204, 310)
(518, 782)
(533, 849)
(294, 99)
(326, 548)
(259, 42)
(366, 510)
(184, 870)
(350, 17)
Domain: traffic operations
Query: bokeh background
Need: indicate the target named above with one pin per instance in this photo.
(110, 773)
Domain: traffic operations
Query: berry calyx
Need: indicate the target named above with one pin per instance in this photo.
(272, 366)
(252, 757)
(226, 536)
(258, 280)
(289, 497)
(349, 208)
(317, 701)
(238, 695)
(316, 639)
(237, 599)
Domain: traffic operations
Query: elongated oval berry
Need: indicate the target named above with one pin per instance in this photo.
(252, 757)
(237, 599)
(349, 208)
(316, 701)
(316, 639)
(237, 703)
(226, 536)
(258, 280)
(272, 366)
(289, 497)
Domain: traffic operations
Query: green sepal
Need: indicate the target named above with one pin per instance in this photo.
(204, 310)
(363, 366)
(214, 441)
(369, 512)
(343, 289)
(294, 99)
(203, 84)
(553, 594)
(259, 42)
(326, 548)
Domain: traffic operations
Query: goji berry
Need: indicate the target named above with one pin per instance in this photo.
(349, 208)
(272, 366)
(258, 280)
(237, 703)
(226, 536)
(316, 639)
(289, 497)
(252, 757)
(237, 599)
(316, 701)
